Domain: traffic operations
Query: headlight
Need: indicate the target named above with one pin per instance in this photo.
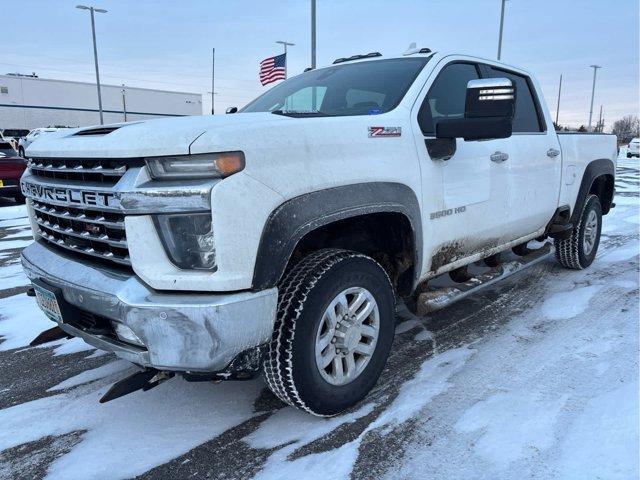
(188, 240)
(205, 165)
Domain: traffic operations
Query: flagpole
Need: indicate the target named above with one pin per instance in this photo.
(285, 54)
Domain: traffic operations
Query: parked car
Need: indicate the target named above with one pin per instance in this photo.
(24, 142)
(633, 149)
(280, 238)
(13, 135)
(11, 169)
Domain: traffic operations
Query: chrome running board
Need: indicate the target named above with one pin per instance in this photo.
(439, 298)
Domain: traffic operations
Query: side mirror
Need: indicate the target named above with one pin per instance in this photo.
(488, 113)
(232, 109)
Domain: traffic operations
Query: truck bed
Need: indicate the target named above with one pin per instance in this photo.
(578, 149)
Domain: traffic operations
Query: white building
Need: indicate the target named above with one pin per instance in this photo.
(30, 102)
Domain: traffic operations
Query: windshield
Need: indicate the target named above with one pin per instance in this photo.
(365, 88)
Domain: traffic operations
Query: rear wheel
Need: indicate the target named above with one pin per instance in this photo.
(579, 250)
(333, 331)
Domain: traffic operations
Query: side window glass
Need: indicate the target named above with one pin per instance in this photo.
(526, 119)
(447, 95)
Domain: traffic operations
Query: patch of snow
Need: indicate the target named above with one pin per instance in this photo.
(21, 321)
(14, 212)
(566, 305)
(13, 276)
(134, 433)
(10, 244)
(423, 336)
(511, 425)
(97, 354)
(604, 437)
(93, 374)
(431, 380)
(415, 395)
(23, 233)
(622, 254)
(72, 345)
(408, 325)
(277, 431)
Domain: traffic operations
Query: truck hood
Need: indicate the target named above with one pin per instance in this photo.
(166, 136)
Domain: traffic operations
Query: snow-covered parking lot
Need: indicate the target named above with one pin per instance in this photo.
(536, 377)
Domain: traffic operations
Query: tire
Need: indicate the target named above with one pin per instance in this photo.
(573, 252)
(21, 152)
(19, 198)
(308, 291)
(629, 155)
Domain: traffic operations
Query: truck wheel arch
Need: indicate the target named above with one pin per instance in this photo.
(598, 179)
(293, 220)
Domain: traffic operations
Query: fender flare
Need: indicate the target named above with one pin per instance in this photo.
(595, 169)
(296, 217)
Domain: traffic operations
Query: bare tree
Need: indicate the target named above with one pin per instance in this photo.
(626, 128)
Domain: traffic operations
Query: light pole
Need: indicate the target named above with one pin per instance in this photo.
(213, 71)
(285, 44)
(593, 93)
(558, 107)
(501, 28)
(124, 102)
(212, 94)
(95, 52)
(313, 34)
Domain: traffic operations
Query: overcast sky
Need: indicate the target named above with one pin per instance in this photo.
(167, 44)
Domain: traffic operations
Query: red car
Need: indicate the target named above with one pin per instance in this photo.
(11, 168)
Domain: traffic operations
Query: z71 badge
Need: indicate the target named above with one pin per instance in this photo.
(385, 132)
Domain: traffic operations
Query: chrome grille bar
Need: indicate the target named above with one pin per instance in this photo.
(79, 215)
(90, 231)
(108, 255)
(79, 169)
(101, 170)
(85, 235)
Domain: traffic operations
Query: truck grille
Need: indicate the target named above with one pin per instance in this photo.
(90, 231)
(102, 170)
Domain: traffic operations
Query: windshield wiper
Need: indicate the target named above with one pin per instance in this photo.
(294, 114)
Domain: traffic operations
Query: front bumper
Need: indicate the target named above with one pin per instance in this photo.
(194, 332)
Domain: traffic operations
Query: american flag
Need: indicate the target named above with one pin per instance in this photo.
(272, 69)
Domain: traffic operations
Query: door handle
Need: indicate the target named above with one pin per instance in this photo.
(553, 152)
(499, 157)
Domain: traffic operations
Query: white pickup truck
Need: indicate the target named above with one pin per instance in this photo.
(280, 238)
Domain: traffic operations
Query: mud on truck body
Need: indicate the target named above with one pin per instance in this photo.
(279, 239)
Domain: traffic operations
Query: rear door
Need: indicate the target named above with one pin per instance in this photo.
(531, 175)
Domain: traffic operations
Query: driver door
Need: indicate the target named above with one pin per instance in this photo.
(463, 202)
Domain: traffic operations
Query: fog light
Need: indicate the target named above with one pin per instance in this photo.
(125, 334)
(188, 240)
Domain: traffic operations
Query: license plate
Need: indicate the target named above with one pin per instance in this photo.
(48, 303)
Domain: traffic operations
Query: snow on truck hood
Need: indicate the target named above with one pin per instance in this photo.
(165, 136)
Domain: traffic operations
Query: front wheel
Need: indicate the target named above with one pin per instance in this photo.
(579, 250)
(21, 151)
(333, 331)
